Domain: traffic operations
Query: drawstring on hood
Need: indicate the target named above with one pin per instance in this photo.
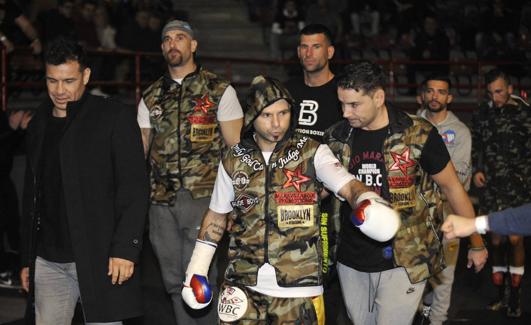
(265, 91)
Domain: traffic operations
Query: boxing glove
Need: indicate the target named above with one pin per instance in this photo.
(375, 218)
(197, 293)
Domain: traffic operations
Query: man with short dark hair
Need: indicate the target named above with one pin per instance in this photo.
(186, 118)
(316, 109)
(85, 199)
(501, 155)
(435, 97)
(404, 159)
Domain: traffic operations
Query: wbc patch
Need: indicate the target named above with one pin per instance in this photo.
(290, 216)
(232, 304)
(283, 198)
(240, 180)
(448, 137)
(245, 202)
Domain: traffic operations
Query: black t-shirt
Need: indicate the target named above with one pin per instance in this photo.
(368, 165)
(55, 244)
(318, 108)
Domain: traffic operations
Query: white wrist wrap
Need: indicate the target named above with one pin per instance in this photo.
(482, 225)
(367, 196)
(201, 259)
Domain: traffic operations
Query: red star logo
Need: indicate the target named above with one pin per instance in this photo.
(402, 161)
(202, 103)
(295, 178)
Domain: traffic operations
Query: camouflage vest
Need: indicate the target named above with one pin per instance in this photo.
(187, 143)
(417, 245)
(276, 214)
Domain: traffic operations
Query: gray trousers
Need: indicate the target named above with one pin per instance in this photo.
(57, 293)
(381, 298)
(172, 232)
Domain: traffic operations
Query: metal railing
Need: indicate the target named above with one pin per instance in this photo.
(402, 78)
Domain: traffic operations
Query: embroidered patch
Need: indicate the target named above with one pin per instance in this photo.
(402, 198)
(295, 197)
(448, 137)
(295, 178)
(387, 252)
(240, 180)
(402, 161)
(156, 111)
(245, 202)
(202, 132)
(401, 181)
(290, 216)
(195, 119)
(232, 304)
(202, 104)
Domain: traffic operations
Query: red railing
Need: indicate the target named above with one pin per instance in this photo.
(394, 68)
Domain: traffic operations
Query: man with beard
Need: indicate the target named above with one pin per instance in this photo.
(315, 93)
(186, 117)
(501, 142)
(318, 108)
(404, 159)
(435, 97)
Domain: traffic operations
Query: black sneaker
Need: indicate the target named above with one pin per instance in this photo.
(514, 308)
(8, 280)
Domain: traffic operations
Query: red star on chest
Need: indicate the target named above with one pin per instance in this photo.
(202, 104)
(295, 178)
(402, 161)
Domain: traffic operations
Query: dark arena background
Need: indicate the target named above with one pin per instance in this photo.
(239, 39)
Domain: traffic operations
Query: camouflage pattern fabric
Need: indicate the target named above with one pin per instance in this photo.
(276, 213)
(417, 245)
(501, 149)
(187, 142)
(267, 310)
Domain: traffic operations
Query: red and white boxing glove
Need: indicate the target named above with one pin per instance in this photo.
(197, 293)
(375, 217)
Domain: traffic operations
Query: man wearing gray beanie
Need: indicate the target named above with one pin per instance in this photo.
(186, 117)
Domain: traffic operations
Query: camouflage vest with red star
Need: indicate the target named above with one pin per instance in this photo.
(276, 213)
(186, 146)
(417, 245)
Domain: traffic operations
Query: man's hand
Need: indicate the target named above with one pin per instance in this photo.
(478, 258)
(24, 278)
(480, 179)
(458, 226)
(120, 270)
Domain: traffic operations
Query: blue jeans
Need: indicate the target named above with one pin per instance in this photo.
(56, 293)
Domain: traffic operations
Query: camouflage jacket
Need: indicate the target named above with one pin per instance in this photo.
(186, 146)
(417, 245)
(276, 213)
(501, 149)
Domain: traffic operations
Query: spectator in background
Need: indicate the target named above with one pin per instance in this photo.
(289, 19)
(85, 26)
(323, 13)
(12, 18)
(501, 155)
(105, 31)
(57, 21)
(430, 44)
(364, 17)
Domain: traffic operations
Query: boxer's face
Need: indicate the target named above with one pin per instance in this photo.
(499, 91)
(272, 124)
